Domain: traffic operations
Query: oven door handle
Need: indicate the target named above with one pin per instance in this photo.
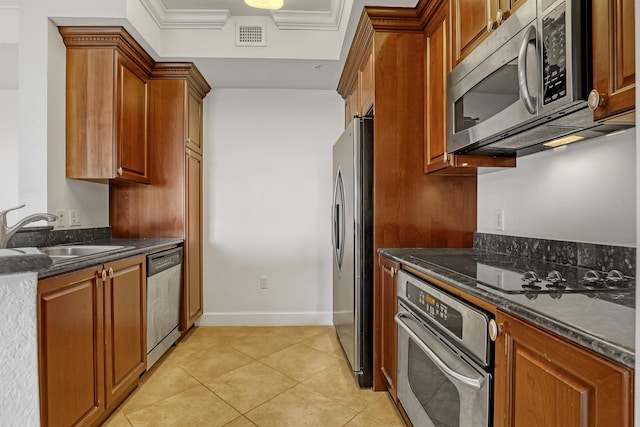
(474, 383)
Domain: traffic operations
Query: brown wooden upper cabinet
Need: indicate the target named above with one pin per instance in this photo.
(543, 380)
(437, 66)
(474, 20)
(107, 91)
(360, 98)
(614, 71)
(194, 120)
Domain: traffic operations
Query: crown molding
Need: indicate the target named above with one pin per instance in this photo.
(216, 19)
(182, 18)
(310, 20)
(8, 4)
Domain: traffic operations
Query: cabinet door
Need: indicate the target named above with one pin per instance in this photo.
(389, 331)
(194, 121)
(542, 380)
(437, 66)
(71, 349)
(125, 326)
(351, 106)
(614, 71)
(106, 105)
(470, 24)
(507, 7)
(133, 107)
(192, 309)
(366, 83)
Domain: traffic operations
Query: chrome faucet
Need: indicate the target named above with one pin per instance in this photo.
(7, 232)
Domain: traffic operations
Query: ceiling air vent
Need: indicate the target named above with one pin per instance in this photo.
(250, 35)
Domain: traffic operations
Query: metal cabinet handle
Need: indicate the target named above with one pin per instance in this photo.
(119, 171)
(596, 99)
(495, 330)
(528, 100)
(104, 275)
(474, 383)
(491, 25)
(110, 273)
(501, 16)
(393, 271)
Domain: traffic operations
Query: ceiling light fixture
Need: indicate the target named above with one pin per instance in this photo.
(265, 4)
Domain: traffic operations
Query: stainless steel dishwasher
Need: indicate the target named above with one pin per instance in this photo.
(164, 286)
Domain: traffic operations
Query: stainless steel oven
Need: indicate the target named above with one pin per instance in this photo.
(445, 357)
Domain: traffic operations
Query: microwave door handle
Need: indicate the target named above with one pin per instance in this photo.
(528, 100)
(474, 383)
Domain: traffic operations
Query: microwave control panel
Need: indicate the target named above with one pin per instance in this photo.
(554, 54)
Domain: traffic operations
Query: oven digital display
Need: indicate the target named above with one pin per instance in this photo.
(445, 315)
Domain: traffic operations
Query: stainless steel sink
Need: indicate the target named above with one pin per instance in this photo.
(64, 253)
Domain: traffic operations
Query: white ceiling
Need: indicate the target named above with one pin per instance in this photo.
(239, 8)
(307, 40)
(324, 25)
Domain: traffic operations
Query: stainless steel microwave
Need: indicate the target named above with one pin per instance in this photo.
(526, 84)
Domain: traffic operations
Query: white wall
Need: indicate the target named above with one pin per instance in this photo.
(267, 193)
(8, 148)
(583, 192)
(8, 110)
(40, 107)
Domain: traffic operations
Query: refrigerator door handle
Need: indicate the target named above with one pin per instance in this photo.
(337, 226)
(337, 212)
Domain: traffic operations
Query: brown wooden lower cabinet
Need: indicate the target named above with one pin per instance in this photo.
(91, 341)
(386, 331)
(544, 381)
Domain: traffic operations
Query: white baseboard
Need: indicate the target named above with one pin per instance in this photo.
(266, 319)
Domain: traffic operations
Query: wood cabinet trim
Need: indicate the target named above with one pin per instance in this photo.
(182, 71)
(360, 46)
(106, 37)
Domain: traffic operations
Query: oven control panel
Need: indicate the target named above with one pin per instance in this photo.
(444, 314)
(464, 325)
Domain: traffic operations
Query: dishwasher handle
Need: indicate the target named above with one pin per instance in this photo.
(164, 260)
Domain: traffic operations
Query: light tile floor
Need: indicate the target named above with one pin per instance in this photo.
(255, 376)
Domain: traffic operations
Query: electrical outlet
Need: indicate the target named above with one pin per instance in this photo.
(62, 218)
(74, 218)
(499, 225)
(263, 282)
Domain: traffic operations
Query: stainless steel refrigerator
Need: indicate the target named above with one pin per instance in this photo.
(352, 239)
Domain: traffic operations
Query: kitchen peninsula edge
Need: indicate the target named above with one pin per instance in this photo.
(569, 317)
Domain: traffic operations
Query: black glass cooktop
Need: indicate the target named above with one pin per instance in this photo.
(517, 275)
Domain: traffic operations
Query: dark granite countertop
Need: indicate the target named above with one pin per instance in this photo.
(22, 260)
(606, 327)
(131, 247)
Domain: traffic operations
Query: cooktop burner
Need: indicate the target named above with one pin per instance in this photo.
(517, 275)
